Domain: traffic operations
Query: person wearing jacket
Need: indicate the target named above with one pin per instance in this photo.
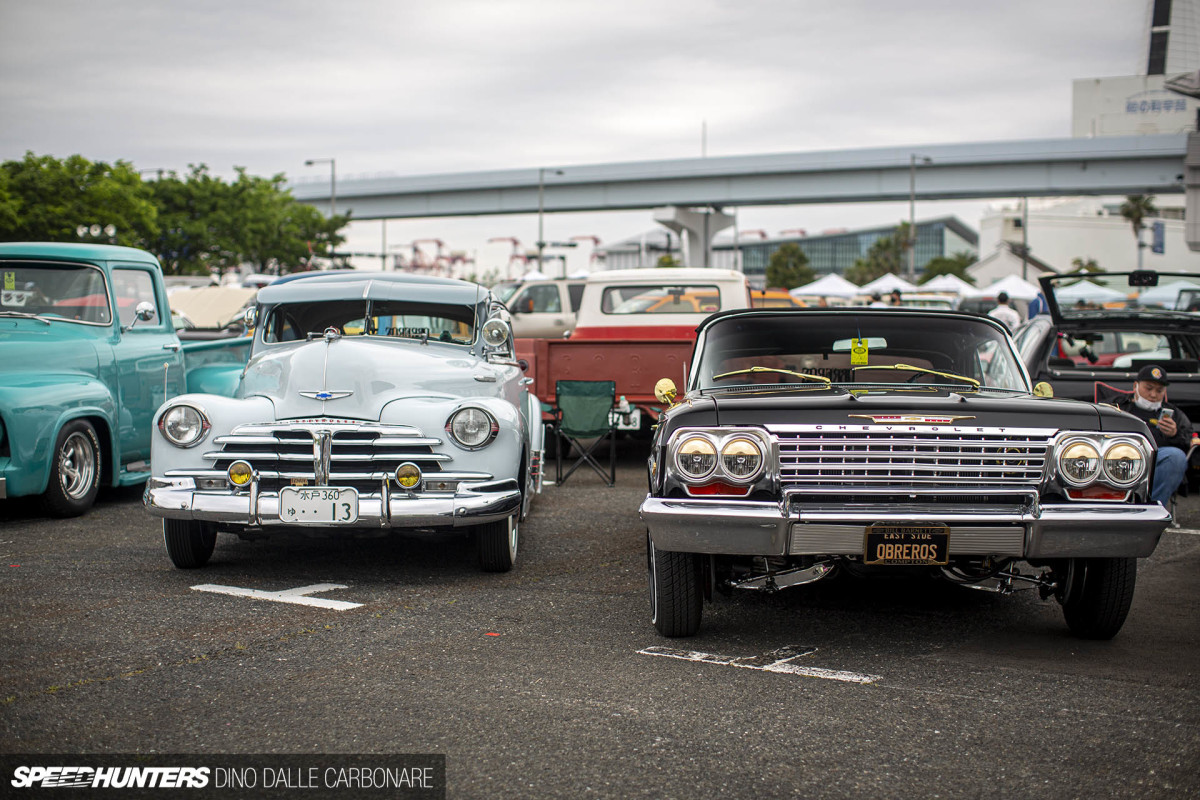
(1170, 427)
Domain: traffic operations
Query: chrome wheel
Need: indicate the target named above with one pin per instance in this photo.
(76, 466)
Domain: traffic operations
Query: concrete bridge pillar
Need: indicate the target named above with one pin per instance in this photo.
(696, 228)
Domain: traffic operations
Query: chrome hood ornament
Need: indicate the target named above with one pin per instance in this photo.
(909, 419)
(326, 395)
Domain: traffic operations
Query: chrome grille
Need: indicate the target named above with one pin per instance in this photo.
(344, 453)
(911, 456)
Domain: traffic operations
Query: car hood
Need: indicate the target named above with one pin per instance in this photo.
(890, 407)
(32, 348)
(355, 378)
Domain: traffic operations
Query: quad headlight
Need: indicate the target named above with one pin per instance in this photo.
(696, 457)
(1079, 463)
(1084, 459)
(732, 456)
(183, 425)
(472, 427)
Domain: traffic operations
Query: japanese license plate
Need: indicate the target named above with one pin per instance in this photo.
(891, 544)
(630, 420)
(324, 505)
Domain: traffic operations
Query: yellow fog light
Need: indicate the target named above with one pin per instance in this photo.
(408, 475)
(240, 473)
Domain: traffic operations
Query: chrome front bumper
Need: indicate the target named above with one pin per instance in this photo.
(1074, 530)
(177, 498)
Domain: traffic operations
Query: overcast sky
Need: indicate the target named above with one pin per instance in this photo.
(405, 87)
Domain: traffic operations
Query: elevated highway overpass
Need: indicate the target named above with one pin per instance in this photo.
(978, 170)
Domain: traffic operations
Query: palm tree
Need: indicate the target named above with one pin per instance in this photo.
(1135, 209)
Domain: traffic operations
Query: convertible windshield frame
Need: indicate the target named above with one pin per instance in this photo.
(919, 350)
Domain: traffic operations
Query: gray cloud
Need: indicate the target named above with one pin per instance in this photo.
(402, 86)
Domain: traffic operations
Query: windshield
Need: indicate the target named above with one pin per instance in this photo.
(844, 349)
(1144, 292)
(72, 292)
(505, 290)
(663, 299)
(291, 322)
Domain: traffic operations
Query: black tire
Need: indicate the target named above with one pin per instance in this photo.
(497, 544)
(676, 592)
(189, 544)
(75, 470)
(1097, 595)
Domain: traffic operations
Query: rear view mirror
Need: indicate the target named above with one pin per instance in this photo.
(1143, 277)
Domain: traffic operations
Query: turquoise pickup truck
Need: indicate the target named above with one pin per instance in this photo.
(87, 354)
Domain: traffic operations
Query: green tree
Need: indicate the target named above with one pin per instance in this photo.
(956, 264)
(667, 261)
(788, 267)
(49, 199)
(209, 226)
(1084, 265)
(1136, 208)
(886, 255)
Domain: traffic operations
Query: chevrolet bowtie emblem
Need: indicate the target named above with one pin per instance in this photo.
(908, 419)
(324, 395)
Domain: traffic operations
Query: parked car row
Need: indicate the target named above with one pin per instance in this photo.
(803, 443)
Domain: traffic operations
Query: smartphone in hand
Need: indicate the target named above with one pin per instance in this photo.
(1166, 413)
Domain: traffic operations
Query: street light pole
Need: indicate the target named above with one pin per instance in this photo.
(912, 213)
(332, 181)
(541, 240)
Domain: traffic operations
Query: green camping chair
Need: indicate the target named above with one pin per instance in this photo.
(582, 412)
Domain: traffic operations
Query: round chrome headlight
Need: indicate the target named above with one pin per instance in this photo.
(1079, 463)
(183, 425)
(696, 457)
(1124, 464)
(495, 333)
(472, 427)
(741, 459)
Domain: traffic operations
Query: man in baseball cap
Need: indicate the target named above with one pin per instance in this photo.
(1170, 427)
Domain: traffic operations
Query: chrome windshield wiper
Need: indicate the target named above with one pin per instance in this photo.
(772, 370)
(911, 368)
(24, 315)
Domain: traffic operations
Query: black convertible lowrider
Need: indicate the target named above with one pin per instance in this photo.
(813, 442)
(1105, 328)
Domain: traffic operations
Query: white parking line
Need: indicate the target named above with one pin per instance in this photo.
(779, 661)
(296, 596)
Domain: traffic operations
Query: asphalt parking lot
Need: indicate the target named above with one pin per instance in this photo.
(549, 681)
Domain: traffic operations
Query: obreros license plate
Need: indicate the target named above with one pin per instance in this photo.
(892, 544)
(323, 506)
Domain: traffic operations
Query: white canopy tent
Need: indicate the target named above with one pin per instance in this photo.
(887, 283)
(1086, 291)
(829, 286)
(534, 275)
(1014, 286)
(1166, 295)
(949, 283)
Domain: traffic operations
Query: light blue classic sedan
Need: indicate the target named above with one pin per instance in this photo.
(374, 401)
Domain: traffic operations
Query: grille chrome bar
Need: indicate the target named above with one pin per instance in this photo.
(327, 451)
(856, 456)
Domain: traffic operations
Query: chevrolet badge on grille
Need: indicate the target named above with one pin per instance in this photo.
(325, 395)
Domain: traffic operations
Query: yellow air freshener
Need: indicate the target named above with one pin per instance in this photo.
(858, 352)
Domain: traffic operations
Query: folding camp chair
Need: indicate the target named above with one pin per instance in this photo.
(582, 412)
(1107, 394)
